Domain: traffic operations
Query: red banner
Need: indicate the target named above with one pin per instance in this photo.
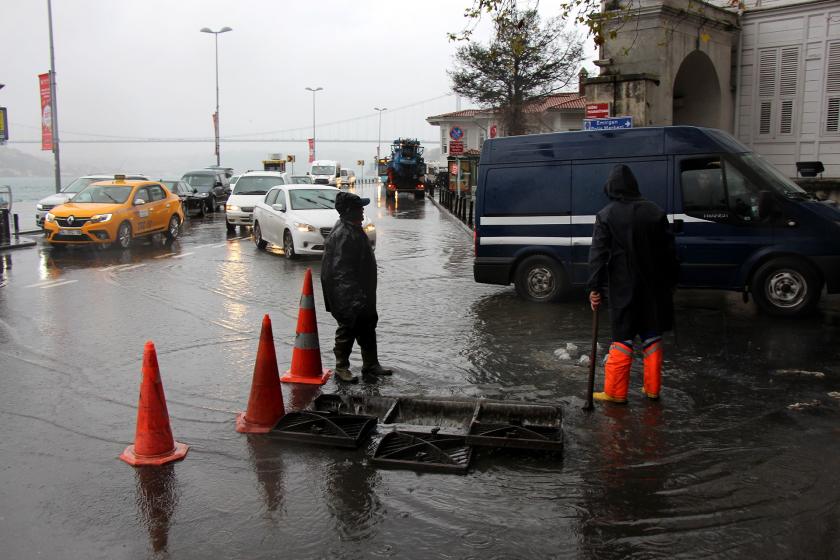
(456, 147)
(311, 150)
(597, 110)
(46, 112)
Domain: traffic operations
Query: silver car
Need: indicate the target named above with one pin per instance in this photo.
(48, 203)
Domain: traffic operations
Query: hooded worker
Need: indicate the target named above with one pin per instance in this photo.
(633, 261)
(348, 279)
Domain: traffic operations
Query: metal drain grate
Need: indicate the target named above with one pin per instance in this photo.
(432, 452)
(325, 428)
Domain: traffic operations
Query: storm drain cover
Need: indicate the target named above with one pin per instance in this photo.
(366, 405)
(325, 428)
(431, 452)
(517, 426)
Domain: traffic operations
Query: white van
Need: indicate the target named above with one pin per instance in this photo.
(325, 172)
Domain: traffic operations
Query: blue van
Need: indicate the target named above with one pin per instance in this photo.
(739, 223)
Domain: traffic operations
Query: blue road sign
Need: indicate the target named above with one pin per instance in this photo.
(456, 133)
(608, 124)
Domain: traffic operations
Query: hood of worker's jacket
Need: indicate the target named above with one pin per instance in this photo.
(622, 184)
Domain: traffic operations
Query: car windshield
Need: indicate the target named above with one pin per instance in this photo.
(256, 184)
(80, 183)
(302, 179)
(323, 170)
(102, 194)
(198, 181)
(313, 199)
(772, 177)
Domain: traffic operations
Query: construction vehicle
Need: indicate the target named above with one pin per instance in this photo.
(406, 169)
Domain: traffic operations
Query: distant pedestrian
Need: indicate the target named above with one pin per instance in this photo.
(348, 279)
(633, 261)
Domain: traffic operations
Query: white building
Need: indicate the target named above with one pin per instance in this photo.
(555, 113)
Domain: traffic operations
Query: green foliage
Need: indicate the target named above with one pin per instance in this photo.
(524, 61)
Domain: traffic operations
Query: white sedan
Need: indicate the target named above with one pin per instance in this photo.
(299, 218)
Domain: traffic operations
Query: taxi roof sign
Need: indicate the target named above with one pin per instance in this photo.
(119, 177)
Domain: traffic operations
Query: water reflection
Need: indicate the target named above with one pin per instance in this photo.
(267, 459)
(157, 499)
(351, 498)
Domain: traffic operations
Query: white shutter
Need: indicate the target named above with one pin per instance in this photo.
(768, 63)
(832, 88)
(788, 86)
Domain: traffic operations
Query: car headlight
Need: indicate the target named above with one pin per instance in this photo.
(39, 207)
(304, 227)
(99, 218)
(203, 195)
(369, 228)
(50, 217)
(232, 208)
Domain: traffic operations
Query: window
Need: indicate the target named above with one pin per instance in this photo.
(539, 190)
(778, 86)
(156, 192)
(271, 197)
(832, 89)
(143, 193)
(717, 189)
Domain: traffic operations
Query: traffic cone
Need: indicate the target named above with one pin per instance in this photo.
(153, 441)
(265, 404)
(306, 357)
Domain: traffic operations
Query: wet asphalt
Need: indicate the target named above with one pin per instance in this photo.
(739, 459)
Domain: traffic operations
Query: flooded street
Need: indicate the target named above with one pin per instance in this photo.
(739, 458)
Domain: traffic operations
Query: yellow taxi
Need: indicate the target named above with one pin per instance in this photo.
(117, 211)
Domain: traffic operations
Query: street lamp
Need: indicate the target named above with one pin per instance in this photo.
(313, 90)
(379, 136)
(216, 123)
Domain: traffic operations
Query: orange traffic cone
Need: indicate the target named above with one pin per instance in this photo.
(153, 441)
(306, 357)
(265, 404)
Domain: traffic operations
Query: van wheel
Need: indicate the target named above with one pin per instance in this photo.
(786, 287)
(540, 278)
(124, 235)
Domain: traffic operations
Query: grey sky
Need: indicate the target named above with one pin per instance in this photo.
(142, 69)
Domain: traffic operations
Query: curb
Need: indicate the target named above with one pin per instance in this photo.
(449, 214)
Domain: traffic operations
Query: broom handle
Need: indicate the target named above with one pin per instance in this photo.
(590, 386)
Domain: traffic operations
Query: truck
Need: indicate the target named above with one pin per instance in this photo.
(406, 169)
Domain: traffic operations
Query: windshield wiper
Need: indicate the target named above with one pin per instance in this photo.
(109, 196)
(315, 202)
(251, 192)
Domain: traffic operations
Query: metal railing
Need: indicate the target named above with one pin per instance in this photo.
(460, 204)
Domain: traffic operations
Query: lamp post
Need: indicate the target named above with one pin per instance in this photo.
(54, 105)
(216, 120)
(379, 135)
(313, 90)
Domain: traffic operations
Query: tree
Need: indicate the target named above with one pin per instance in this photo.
(525, 61)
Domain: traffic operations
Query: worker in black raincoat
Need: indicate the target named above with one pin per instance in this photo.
(348, 279)
(633, 262)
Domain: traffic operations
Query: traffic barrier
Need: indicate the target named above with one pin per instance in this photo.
(306, 356)
(265, 403)
(153, 441)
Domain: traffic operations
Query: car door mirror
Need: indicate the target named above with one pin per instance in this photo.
(766, 204)
(139, 201)
(279, 207)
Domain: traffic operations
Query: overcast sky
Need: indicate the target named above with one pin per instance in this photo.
(141, 68)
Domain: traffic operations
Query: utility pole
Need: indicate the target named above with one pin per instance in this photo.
(379, 136)
(54, 105)
(216, 119)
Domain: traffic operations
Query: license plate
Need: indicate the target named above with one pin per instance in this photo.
(71, 232)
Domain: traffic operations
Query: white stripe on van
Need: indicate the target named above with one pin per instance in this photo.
(554, 241)
(526, 220)
(687, 218)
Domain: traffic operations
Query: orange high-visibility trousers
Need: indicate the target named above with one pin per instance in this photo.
(617, 371)
(653, 368)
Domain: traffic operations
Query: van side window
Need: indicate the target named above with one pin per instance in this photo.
(529, 190)
(714, 189)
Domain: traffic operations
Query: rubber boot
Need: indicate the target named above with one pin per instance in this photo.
(616, 374)
(370, 362)
(653, 369)
(342, 349)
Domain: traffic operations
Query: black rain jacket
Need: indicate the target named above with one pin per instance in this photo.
(633, 260)
(348, 274)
